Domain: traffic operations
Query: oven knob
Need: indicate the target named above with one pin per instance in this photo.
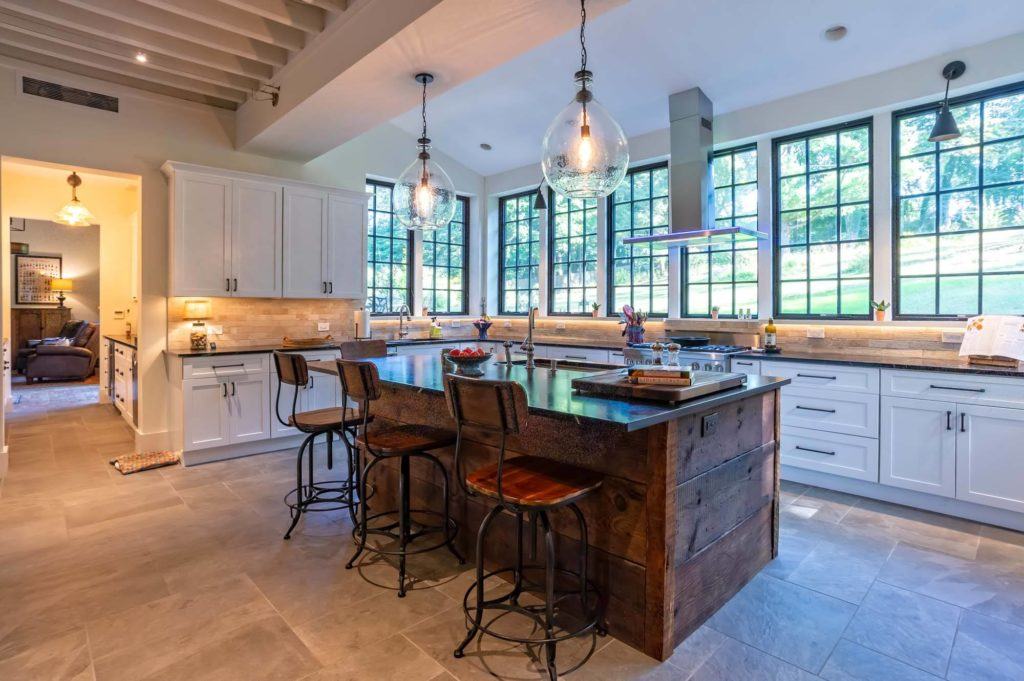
(695, 366)
(719, 367)
(708, 366)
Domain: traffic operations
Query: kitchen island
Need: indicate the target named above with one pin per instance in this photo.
(688, 509)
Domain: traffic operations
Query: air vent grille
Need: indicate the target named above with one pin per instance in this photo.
(63, 93)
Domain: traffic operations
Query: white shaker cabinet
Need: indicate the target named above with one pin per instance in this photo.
(990, 456)
(305, 232)
(256, 224)
(206, 413)
(919, 445)
(248, 408)
(200, 234)
(345, 248)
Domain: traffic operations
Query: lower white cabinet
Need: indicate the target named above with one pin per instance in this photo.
(835, 453)
(918, 449)
(248, 408)
(224, 411)
(745, 366)
(990, 456)
(833, 411)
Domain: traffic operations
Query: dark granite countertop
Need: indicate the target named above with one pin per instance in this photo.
(130, 341)
(553, 395)
(538, 340)
(913, 363)
(248, 350)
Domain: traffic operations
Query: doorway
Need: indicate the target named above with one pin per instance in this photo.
(66, 286)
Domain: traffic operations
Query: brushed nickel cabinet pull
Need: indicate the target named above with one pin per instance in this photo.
(827, 378)
(816, 451)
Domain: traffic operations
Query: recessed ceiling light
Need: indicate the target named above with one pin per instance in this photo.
(834, 33)
(485, 146)
(141, 57)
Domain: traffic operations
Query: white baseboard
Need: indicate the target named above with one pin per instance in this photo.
(906, 497)
(202, 456)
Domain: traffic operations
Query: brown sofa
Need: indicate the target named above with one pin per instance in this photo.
(77, 360)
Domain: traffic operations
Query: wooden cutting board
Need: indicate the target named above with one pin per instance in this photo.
(615, 384)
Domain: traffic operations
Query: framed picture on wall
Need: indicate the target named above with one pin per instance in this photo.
(32, 275)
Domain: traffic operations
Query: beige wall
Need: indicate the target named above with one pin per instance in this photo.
(148, 131)
(79, 251)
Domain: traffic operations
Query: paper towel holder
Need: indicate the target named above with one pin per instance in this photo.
(362, 315)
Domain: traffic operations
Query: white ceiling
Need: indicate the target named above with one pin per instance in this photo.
(740, 52)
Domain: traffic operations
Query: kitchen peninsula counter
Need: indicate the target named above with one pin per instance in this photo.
(688, 509)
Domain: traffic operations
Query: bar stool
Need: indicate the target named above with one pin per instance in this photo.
(313, 495)
(360, 381)
(522, 485)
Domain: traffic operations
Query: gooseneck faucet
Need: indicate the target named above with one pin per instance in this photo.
(404, 315)
(527, 345)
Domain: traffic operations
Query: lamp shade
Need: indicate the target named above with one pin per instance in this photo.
(945, 126)
(197, 309)
(64, 285)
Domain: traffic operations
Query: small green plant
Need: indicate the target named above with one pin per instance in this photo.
(595, 306)
(880, 306)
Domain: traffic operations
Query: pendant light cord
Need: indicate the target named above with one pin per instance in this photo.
(583, 56)
(423, 110)
(424, 175)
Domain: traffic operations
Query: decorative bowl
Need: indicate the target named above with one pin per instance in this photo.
(469, 366)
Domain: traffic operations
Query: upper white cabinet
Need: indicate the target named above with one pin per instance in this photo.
(236, 234)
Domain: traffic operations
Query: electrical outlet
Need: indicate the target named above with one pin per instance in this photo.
(816, 332)
(709, 424)
(952, 336)
(508, 323)
(456, 323)
(323, 326)
(215, 330)
(559, 326)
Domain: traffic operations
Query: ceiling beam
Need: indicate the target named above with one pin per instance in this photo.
(234, 20)
(162, 21)
(302, 16)
(150, 41)
(117, 50)
(334, 6)
(45, 46)
(41, 59)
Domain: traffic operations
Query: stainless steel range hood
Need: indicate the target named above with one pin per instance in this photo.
(690, 135)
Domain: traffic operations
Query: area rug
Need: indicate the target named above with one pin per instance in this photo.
(133, 463)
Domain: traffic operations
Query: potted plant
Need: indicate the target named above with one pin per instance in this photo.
(595, 309)
(880, 307)
(714, 312)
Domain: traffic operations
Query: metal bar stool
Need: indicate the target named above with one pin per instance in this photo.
(313, 495)
(522, 485)
(360, 381)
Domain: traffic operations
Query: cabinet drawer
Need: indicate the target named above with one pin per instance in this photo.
(846, 455)
(226, 365)
(994, 391)
(745, 366)
(616, 357)
(830, 410)
(577, 354)
(816, 375)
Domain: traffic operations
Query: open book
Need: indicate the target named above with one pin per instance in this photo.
(994, 336)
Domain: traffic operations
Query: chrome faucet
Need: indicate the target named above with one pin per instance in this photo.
(404, 315)
(508, 353)
(527, 345)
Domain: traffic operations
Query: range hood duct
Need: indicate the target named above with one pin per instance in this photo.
(691, 190)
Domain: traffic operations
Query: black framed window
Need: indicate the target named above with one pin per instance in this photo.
(446, 264)
(519, 256)
(388, 253)
(958, 209)
(638, 273)
(572, 254)
(823, 222)
(725, 275)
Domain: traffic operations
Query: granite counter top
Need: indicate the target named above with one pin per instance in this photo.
(248, 350)
(914, 363)
(552, 393)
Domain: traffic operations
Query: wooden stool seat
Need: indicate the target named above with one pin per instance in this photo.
(406, 438)
(533, 481)
(331, 418)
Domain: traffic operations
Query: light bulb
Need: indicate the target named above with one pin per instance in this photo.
(585, 148)
(424, 201)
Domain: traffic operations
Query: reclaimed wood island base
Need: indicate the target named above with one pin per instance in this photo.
(688, 509)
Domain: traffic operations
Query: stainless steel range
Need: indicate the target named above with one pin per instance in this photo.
(700, 357)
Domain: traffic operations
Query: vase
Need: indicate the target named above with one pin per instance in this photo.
(481, 330)
(634, 334)
(879, 315)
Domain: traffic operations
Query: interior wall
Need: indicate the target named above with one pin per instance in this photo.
(79, 250)
(147, 131)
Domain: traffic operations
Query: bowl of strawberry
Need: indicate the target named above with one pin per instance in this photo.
(468, 361)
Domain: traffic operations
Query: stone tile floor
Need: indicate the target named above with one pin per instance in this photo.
(182, 574)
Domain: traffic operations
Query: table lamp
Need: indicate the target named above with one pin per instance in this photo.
(61, 286)
(197, 310)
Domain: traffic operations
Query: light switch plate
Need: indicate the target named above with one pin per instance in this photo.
(118, 314)
(215, 330)
(508, 323)
(816, 332)
(456, 323)
(323, 326)
(952, 336)
(560, 326)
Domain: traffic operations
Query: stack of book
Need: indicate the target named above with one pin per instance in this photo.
(657, 374)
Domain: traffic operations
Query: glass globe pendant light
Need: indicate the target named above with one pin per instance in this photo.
(585, 154)
(74, 213)
(424, 196)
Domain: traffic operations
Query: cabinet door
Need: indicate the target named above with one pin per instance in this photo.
(745, 366)
(918, 445)
(256, 240)
(345, 251)
(249, 408)
(201, 235)
(990, 456)
(305, 223)
(324, 391)
(206, 413)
